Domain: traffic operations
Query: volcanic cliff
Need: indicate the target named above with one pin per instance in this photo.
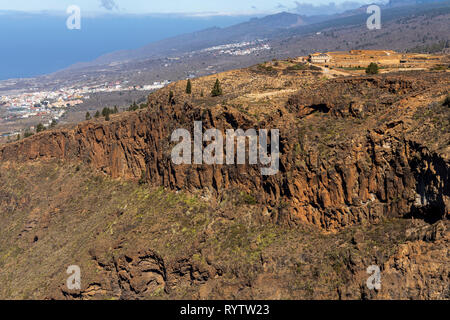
(355, 152)
(351, 149)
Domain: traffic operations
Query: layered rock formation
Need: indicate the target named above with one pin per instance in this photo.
(352, 149)
(364, 157)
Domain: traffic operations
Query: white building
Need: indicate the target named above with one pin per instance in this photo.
(319, 58)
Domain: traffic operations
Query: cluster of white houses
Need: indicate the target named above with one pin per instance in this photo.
(319, 58)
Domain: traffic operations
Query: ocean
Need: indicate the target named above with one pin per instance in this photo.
(36, 44)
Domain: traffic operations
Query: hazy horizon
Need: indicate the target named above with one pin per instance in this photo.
(191, 7)
(38, 42)
(41, 44)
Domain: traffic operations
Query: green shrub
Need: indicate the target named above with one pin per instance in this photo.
(189, 87)
(298, 66)
(27, 133)
(217, 90)
(372, 68)
(40, 127)
(171, 98)
(143, 178)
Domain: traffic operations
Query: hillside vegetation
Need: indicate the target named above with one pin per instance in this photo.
(364, 180)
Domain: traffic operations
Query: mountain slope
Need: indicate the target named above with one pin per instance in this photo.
(356, 165)
(409, 28)
(130, 145)
(278, 26)
(136, 242)
(253, 29)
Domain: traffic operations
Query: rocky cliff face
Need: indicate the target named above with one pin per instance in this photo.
(357, 156)
(133, 241)
(351, 155)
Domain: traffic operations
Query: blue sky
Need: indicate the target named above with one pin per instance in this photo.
(167, 6)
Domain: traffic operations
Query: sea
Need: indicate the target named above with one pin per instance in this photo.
(33, 44)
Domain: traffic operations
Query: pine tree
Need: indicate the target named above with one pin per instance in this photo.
(107, 116)
(27, 133)
(97, 114)
(372, 68)
(40, 127)
(105, 111)
(116, 110)
(217, 90)
(189, 87)
(53, 124)
(88, 116)
(133, 107)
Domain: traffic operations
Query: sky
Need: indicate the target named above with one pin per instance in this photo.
(170, 6)
(34, 44)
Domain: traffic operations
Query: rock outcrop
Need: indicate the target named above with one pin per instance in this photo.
(351, 150)
(364, 157)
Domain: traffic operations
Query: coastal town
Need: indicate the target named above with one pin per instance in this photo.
(47, 107)
(21, 112)
(239, 49)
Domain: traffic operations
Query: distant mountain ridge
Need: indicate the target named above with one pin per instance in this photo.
(254, 28)
(274, 26)
(404, 28)
(395, 3)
